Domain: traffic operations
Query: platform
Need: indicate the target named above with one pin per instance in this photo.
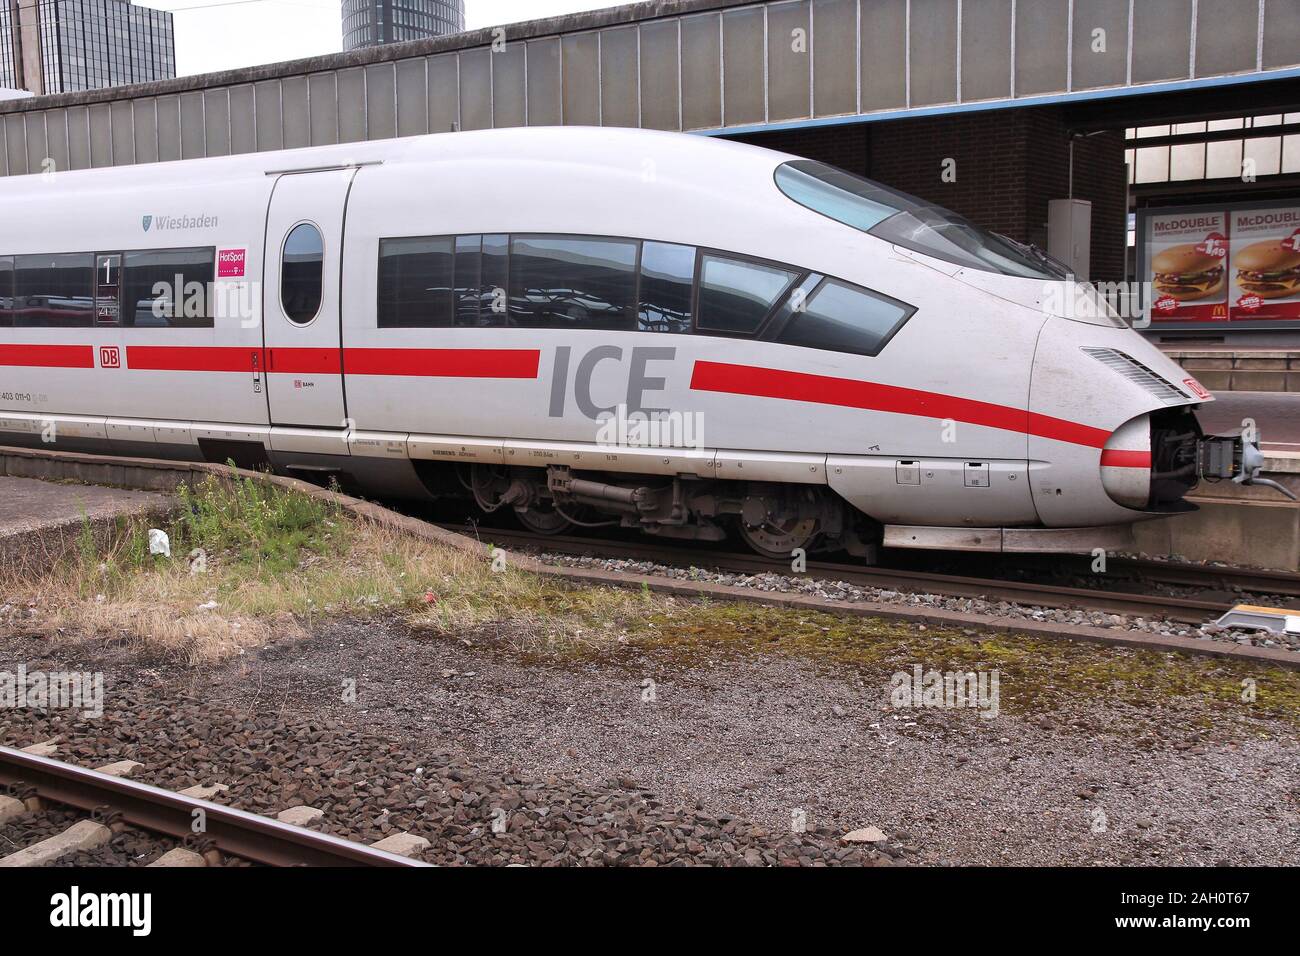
(40, 520)
(1237, 524)
(1237, 531)
(1277, 418)
(1240, 369)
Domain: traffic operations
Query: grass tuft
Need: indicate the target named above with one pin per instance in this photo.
(253, 562)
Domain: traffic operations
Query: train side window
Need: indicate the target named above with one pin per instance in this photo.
(6, 291)
(572, 282)
(736, 295)
(415, 282)
(794, 301)
(302, 273)
(494, 264)
(54, 290)
(468, 279)
(667, 282)
(168, 288)
(840, 317)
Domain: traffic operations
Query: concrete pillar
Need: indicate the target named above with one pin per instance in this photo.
(27, 46)
(15, 50)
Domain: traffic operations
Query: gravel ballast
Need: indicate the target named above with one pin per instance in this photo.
(646, 755)
(836, 590)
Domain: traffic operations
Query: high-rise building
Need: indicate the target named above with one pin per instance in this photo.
(374, 22)
(61, 46)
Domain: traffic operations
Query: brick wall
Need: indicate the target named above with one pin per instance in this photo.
(1009, 163)
(842, 146)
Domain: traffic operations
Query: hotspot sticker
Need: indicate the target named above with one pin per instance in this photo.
(230, 263)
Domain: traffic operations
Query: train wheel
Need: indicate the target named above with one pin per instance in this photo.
(778, 539)
(543, 520)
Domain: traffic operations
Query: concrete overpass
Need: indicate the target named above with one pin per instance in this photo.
(707, 65)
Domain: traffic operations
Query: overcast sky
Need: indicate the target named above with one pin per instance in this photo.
(225, 34)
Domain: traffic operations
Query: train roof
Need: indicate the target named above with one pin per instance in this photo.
(568, 145)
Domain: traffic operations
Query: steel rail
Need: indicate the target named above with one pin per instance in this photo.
(249, 836)
(1185, 610)
(1255, 580)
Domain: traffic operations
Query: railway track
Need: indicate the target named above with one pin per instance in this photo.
(1188, 610)
(33, 780)
(1249, 580)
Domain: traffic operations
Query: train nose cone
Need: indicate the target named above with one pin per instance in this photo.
(1097, 396)
(1126, 463)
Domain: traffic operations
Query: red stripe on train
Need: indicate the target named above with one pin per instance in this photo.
(449, 363)
(48, 356)
(303, 361)
(1118, 458)
(853, 393)
(191, 358)
(444, 363)
(205, 358)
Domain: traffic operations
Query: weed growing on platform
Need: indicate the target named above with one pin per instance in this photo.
(257, 524)
(253, 561)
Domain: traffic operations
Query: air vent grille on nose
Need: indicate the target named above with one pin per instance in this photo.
(1139, 374)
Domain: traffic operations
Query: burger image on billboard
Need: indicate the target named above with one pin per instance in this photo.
(1187, 272)
(1264, 261)
(1186, 265)
(1269, 269)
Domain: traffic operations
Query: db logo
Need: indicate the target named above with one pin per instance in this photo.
(109, 357)
(1196, 387)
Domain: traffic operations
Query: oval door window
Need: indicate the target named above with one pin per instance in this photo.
(302, 273)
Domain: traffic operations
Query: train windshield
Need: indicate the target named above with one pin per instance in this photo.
(910, 222)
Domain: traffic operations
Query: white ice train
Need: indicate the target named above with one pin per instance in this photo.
(826, 359)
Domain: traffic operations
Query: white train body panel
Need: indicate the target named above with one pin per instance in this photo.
(88, 211)
(982, 410)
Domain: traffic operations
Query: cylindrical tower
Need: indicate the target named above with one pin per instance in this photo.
(375, 22)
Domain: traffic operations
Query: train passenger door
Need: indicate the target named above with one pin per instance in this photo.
(302, 326)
